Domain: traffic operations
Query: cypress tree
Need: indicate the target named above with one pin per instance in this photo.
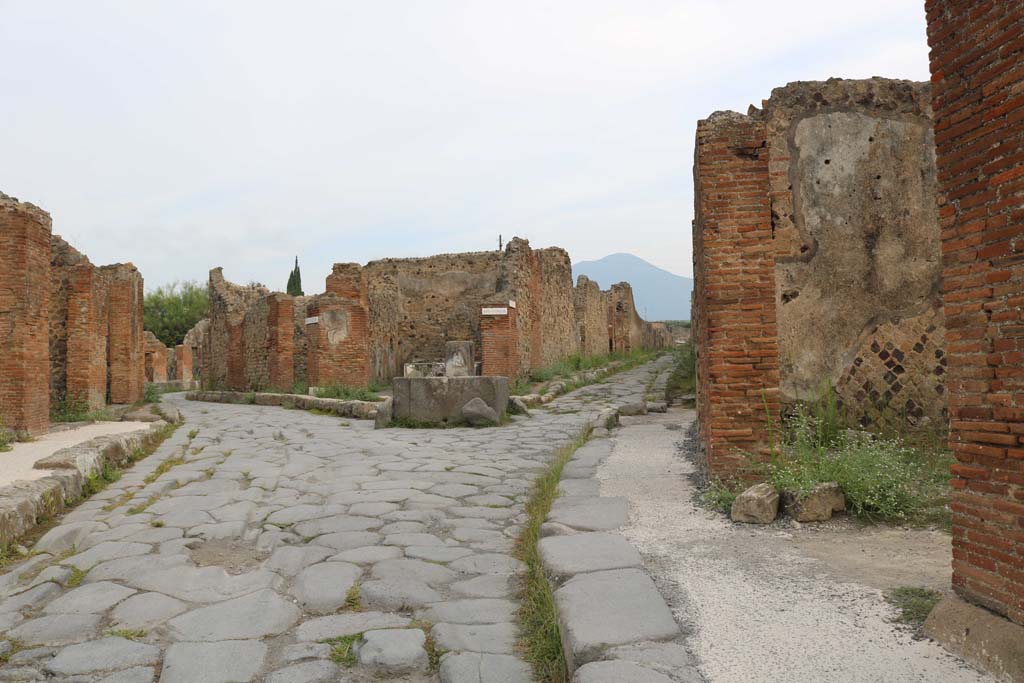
(294, 287)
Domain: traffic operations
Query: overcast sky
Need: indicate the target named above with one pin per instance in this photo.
(186, 135)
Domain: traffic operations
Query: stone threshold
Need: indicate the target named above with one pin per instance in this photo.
(358, 410)
(24, 504)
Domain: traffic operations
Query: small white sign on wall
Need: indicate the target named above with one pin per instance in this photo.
(494, 311)
(313, 321)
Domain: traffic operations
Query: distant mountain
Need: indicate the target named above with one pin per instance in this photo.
(659, 294)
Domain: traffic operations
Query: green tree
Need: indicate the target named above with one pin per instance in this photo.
(170, 311)
(294, 287)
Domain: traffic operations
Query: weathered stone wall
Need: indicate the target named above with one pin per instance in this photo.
(195, 339)
(977, 64)
(24, 324)
(558, 331)
(591, 315)
(734, 278)
(223, 350)
(853, 245)
(857, 258)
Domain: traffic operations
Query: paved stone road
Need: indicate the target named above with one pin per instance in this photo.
(237, 562)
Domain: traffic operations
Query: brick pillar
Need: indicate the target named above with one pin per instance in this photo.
(127, 359)
(24, 316)
(338, 342)
(734, 271)
(977, 64)
(183, 363)
(281, 329)
(499, 343)
(86, 340)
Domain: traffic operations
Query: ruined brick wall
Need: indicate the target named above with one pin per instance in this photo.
(977, 64)
(857, 259)
(625, 326)
(79, 373)
(195, 340)
(156, 358)
(126, 359)
(557, 305)
(499, 347)
(223, 350)
(183, 363)
(66, 263)
(591, 314)
(24, 316)
(734, 274)
(520, 278)
(416, 305)
(338, 343)
(268, 342)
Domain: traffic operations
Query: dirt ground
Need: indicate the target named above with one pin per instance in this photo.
(782, 601)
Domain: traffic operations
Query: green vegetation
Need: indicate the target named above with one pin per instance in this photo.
(76, 578)
(127, 633)
(97, 481)
(566, 369)
(66, 410)
(6, 438)
(170, 311)
(343, 651)
(885, 477)
(294, 286)
(353, 603)
(913, 604)
(346, 393)
(163, 468)
(683, 379)
(718, 496)
(151, 394)
(540, 640)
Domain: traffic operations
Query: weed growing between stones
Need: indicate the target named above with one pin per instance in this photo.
(76, 578)
(346, 393)
(343, 651)
(353, 603)
(718, 496)
(163, 468)
(151, 394)
(568, 370)
(97, 481)
(540, 642)
(66, 410)
(6, 438)
(15, 647)
(193, 434)
(127, 633)
(913, 605)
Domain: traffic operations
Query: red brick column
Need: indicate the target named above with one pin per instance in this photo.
(126, 341)
(281, 329)
(499, 343)
(24, 316)
(339, 350)
(183, 362)
(86, 340)
(734, 271)
(977, 64)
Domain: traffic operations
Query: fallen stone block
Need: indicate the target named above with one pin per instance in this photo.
(479, 414)
(816, 506)
(637, 408)
(657, 407)
(757, 505)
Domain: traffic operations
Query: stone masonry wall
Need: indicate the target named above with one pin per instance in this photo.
(195, 339)
(591, 315)
(338, 344)
(24, 324)
(734, 273)
(977, 64)
(857, 259)
(156, 358)
(223, 351)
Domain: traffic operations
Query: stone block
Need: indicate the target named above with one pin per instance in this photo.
(757, 505)
(441, 399)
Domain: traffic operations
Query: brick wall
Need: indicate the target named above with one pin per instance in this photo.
(735, 276)
(338, 351)
(183, 363)
(281, 341)
(156, 358)
(125, 333)
(222, 355)
(85, 339)
(977, 64)
(24, 323)
(498, 332)
(591, 314)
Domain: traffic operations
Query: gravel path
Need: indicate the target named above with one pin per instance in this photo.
(265, 524)
(756, 606)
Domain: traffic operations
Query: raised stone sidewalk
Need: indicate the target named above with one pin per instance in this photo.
(615, 625)
(257, 542)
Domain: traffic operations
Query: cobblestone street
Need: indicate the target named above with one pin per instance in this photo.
(255, 535)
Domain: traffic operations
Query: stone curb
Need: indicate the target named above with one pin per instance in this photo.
(358, 410)
(23, 504)
(615, 625)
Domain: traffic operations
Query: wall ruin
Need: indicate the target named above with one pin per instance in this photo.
(825, 197)
(977, 64)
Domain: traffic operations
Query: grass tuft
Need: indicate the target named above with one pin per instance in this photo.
(163, 468)
(343, 651)
(541, 640)
(913, 604)
(127, 633)
(346, 393)
(718, 496)
(76, 578)
(353, 602)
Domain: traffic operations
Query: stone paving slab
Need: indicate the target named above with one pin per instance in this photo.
(271, 530)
